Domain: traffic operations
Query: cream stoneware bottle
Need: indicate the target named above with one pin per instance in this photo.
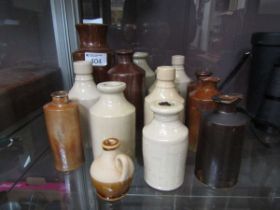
(164, 90)
(111, 172)
(85, 94)
(113, 117)
(165, 144)
(140, 59)
(182, 80)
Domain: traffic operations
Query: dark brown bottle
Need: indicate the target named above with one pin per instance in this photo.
(200, 101)
(219, 150)
(63, 126)
(128, 72)
(94, 48)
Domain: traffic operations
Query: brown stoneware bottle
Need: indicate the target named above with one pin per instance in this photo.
(134, 76)
(63, 127)
(94, 48)
(192, 86)
(200, 101)
(219, 149)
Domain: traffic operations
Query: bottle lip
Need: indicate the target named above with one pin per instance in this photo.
(124, 51)
(110, 144)
(211, 79)
(140, 55)
(228, 98)
(59, 94)
(111, 87)
(166, 107)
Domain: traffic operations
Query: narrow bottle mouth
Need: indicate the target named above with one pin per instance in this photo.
(111, 87)
(124, 51)
(140, 55)
(110, 144)
(227, 98)
(59, 94)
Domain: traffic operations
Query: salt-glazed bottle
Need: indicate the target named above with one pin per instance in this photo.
(63, 127)
(94, 48)
(220, 144)
(113, 116)
(112, 172)
(85, 94)
(165, 144)
(201, 101)
(164, 90)
(182, 80)
(140, 59)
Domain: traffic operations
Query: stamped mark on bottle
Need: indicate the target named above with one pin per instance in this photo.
(97, 59)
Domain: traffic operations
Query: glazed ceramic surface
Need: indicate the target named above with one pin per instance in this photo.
(140, 58)
(94, 48)
(201, 101)
(113, 117)
(182, 80)
(164, 90)
(165, 143)
(85, 93)
(63, 127)
(112, 171)
(220, 144)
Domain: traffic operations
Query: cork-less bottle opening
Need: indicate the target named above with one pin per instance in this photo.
(111, 87)
(140, 55)
(227, 99)
(59, 96)
(110, 144)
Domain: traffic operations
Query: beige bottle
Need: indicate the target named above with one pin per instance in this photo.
(164, 90)
(111, 172)
(85, 94)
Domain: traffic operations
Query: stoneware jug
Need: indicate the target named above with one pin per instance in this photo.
(85, 94)
(201, 101)
(94, 48)
(111, 172)
(165, 144)
(140, 59)
(220, 143)
(182, 80)
(164, 90)
(63, 127)
(113, 117)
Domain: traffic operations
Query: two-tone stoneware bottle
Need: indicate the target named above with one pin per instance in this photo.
(85, 94)
(94, 48)
(219, 150)
(112, 116)
(63, 127)
(200, 101)
(164, 90)
(165, 144)
(111, 172)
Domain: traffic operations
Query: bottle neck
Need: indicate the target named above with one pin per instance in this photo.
(84, 78)
(166, 118)
(226, 108)
(109, 154)
(124, 58)
(165, 84)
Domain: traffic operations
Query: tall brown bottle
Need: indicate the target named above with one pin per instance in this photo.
(94, 48)
(192, 86)
(63, 127)
(128, 72)
(220, 144)
(200, 101)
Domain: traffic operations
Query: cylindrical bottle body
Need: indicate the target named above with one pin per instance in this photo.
(63, 127)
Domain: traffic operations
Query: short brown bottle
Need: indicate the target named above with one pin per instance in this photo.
(63, 127)
(220, 144)
(200, 101)
(94, 48)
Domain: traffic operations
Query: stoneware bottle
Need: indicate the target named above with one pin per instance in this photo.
(201, 101)
(113, 116)
(182, 80)
(140, 59)
(94, 48)
(220, 144)
(63, 127)
(165, 143)
(111, 172)
(164, 90)
(85, 93)
(192, 86)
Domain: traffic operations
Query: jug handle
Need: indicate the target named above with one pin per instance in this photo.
(122, 163)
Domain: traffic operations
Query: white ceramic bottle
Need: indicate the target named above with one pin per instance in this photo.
(85, 93)
(165, 144)
(113, 117)
(112, 171)
(164, 90)
(181, 80)
(140, 59)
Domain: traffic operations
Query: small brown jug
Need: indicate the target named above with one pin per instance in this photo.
(111, 172)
